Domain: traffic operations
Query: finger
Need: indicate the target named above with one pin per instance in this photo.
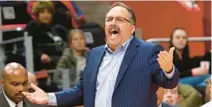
(171, 51)
(166, 53)
(163, 57)
(26, 93)
(34, 87)
(168, 56)
(31, 99)
(160, 62)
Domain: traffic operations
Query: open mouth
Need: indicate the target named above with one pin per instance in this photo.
(114, 33)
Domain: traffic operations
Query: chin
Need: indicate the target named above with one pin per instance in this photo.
(113, 44)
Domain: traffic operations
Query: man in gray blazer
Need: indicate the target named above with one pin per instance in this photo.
(14, 80)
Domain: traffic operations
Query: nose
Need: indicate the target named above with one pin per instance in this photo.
(114, 21)
(169, 94)
(21, 88)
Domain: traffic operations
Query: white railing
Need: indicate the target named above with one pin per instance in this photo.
(27, 40)
(192, 39)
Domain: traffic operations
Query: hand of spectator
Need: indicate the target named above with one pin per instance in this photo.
(165, 60)
(79, 20)
(38, 97)
(45, 58)
(200, 71)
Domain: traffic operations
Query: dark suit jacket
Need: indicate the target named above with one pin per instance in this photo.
(137, 81)
(4, 103)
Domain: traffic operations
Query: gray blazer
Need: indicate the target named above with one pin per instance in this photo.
(4, 103)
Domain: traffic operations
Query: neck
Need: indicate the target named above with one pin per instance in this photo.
(179, 53)
(112, 48)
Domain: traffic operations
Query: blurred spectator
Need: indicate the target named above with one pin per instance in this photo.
(209, 89)
(15, 81)
(183, 96)
(189, 73)
(171, 96)
(208, 94)
(207, 57)
(67, 13)
(32, 79)
(47, 47)
(73, 58)
(160, 93)
(73, 11)
(1, 74)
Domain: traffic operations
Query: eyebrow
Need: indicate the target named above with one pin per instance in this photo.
(19, 82)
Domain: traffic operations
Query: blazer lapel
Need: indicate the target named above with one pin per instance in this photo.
(3, 101)
(128, 57)
(96, 64)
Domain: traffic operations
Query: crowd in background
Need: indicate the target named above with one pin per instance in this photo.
(60, 43)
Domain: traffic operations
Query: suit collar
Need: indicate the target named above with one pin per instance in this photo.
(122, 47)
(128, 57)
(3, 101)
(11, 103)
(97, 62)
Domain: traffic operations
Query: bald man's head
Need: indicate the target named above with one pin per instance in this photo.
(15, 81)
(32, 79)
(12, 68)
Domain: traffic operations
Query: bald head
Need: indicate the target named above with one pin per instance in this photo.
(13, 68)
(32, 78)
(14, 81)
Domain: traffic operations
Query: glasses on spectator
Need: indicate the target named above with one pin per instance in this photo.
(118, 20)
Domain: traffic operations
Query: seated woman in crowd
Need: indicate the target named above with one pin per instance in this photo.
(47, 46)
(190, 72)
(73, 58)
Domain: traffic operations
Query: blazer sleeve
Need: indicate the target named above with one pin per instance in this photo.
(158, 75)
(72, 96)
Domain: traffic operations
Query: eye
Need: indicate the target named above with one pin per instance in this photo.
(120, 19)
(109, 19)
(15, 83)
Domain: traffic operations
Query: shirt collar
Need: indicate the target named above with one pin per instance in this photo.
(123, 46)
(11, 103)
(160, 105)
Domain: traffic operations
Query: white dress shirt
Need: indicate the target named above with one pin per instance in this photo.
(209, 104)
(11, 103)
(107, 75)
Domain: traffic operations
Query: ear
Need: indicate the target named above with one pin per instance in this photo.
(1, 80)
(133, 29)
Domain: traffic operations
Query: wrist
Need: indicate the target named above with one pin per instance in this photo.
(169, 71)
(47, 102)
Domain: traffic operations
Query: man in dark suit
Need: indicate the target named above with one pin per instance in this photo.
(14, 81)
(125, 72)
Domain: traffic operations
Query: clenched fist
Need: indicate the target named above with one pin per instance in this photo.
(165, 60)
